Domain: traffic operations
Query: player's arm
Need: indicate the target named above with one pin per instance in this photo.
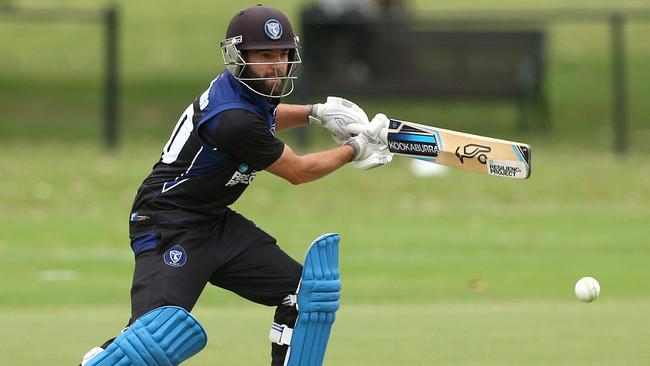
(246, 135)
(366, 150)
(306, 168)
(291, 115)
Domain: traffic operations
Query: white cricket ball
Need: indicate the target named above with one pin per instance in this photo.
(587, 289)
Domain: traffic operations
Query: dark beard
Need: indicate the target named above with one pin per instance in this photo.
(260, 85)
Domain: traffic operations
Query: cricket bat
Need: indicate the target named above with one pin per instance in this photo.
(459, 150)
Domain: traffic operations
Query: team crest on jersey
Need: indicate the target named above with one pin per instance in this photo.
(273, 29)
(175, 256)
(243, 175)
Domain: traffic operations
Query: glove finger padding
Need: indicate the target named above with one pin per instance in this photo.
(338, 103)
(351, 130)
(341, 117)
(376, 151)
(374, 159)
(377, 129)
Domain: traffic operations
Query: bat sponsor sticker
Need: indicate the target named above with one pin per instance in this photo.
(507, 168)
(413, 144)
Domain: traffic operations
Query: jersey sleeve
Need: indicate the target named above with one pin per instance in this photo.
(245, 134)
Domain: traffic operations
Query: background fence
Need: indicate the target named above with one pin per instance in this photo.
(599, 33)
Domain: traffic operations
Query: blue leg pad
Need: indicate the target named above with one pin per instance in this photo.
(165, 336)
(317, 302)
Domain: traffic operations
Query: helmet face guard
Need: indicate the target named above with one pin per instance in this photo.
(238, 66)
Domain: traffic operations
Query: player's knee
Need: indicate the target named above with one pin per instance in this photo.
(290, 285)
(164, 336)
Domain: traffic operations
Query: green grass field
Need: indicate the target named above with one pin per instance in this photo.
(454, 270)
(460, 269)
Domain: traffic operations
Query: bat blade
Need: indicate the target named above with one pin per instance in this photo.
(460, 150)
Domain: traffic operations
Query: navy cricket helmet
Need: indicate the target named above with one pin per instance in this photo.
(260, 28)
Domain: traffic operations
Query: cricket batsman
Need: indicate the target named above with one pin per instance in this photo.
(183, 233)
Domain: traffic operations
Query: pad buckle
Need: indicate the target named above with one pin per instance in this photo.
(281, 334)
(290, 300)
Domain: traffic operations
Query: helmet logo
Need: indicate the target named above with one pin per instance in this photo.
(273, 29)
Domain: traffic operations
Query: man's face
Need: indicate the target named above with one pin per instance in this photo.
(273, 86)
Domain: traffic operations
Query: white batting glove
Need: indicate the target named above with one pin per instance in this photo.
(376, 157)
(371, 148)
(342, 118)
(377, 129)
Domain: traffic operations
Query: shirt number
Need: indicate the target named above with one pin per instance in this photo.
(179, 137)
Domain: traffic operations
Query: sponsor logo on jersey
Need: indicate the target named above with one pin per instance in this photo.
(273, 29)
(175, 256)
(243, 175)
(137, 217)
